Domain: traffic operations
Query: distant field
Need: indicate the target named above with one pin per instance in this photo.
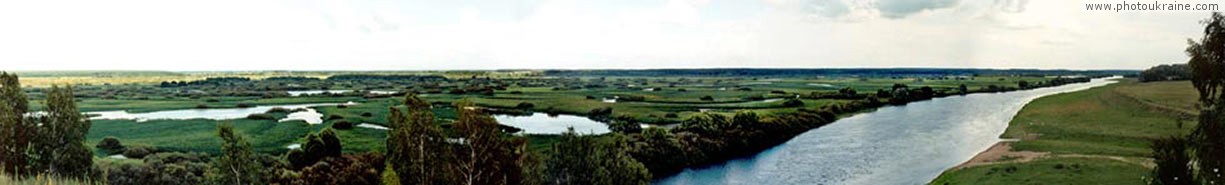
(1102, 130)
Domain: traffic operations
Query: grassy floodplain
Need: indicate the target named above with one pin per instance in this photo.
(1096, 136)
(666, 95)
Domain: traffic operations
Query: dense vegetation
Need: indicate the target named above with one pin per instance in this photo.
(1170, 72)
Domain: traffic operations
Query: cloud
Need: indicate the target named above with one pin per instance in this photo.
(895, 9)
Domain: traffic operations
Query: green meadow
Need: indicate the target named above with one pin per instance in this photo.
(1097, 136)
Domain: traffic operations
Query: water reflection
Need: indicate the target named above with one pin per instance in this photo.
(539, 123)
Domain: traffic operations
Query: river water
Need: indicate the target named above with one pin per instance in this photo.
(910, 144)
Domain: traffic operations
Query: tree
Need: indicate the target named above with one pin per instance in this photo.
(235, 164)
(15, 130)
(616, 166)
(847, 92)
(62, 150)
(1173, 162)
(586, 160)
(110, 143)
(660, 152)
(317, 148)
(484, 156)
(624, 124)
(1207, 61)
(416, 147)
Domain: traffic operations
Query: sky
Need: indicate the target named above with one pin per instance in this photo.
(597, 34)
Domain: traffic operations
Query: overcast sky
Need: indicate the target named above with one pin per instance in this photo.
(536, 34)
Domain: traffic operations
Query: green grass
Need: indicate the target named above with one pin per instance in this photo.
(271, 137)
(1100, 123)
(1050, 171)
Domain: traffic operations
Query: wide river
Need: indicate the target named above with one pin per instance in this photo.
(910, 144)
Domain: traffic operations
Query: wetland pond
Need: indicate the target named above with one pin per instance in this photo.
(541, 123)
(910, 144)
(306, 113)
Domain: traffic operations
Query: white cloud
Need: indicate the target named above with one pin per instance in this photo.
(379, 35)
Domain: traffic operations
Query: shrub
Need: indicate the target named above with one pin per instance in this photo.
(137, 152)
(201, 106)
(707, 98)
(367, 114)
(343, 125)
(335, 117)
(793, 103)
(348, 169)
(110, 143)
(670, 115)
(210, 100)
(261, 116)
(525, 105)
(244, 105)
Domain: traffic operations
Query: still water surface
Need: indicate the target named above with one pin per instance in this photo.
(540, 123)
(909, 144)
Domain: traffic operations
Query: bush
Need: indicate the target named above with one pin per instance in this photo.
(348, 169)
(210, 100)
(343, 125)
(137, 152)
(110, 143)
(367, 114)
(335, 117)
(277, 110)
(670, 115)
(793, 103)
(525, 105)
(261, 116)
(707, 98)
(244, 105)
(201, 106)
(160, 168)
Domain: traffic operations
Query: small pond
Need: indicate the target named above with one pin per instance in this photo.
(540, 123)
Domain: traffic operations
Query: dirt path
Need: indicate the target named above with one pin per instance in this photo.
(1001, 153)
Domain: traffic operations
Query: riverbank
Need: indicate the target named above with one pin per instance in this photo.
(1096, 136)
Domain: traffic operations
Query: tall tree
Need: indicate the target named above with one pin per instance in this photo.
(235, 164)
(62, 149)
(1208, 67)
(485, 156)
(416, 147)
(15, 131)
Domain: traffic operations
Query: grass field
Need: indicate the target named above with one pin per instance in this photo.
(1103, 130)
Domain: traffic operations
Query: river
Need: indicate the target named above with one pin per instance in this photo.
(910, 144)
